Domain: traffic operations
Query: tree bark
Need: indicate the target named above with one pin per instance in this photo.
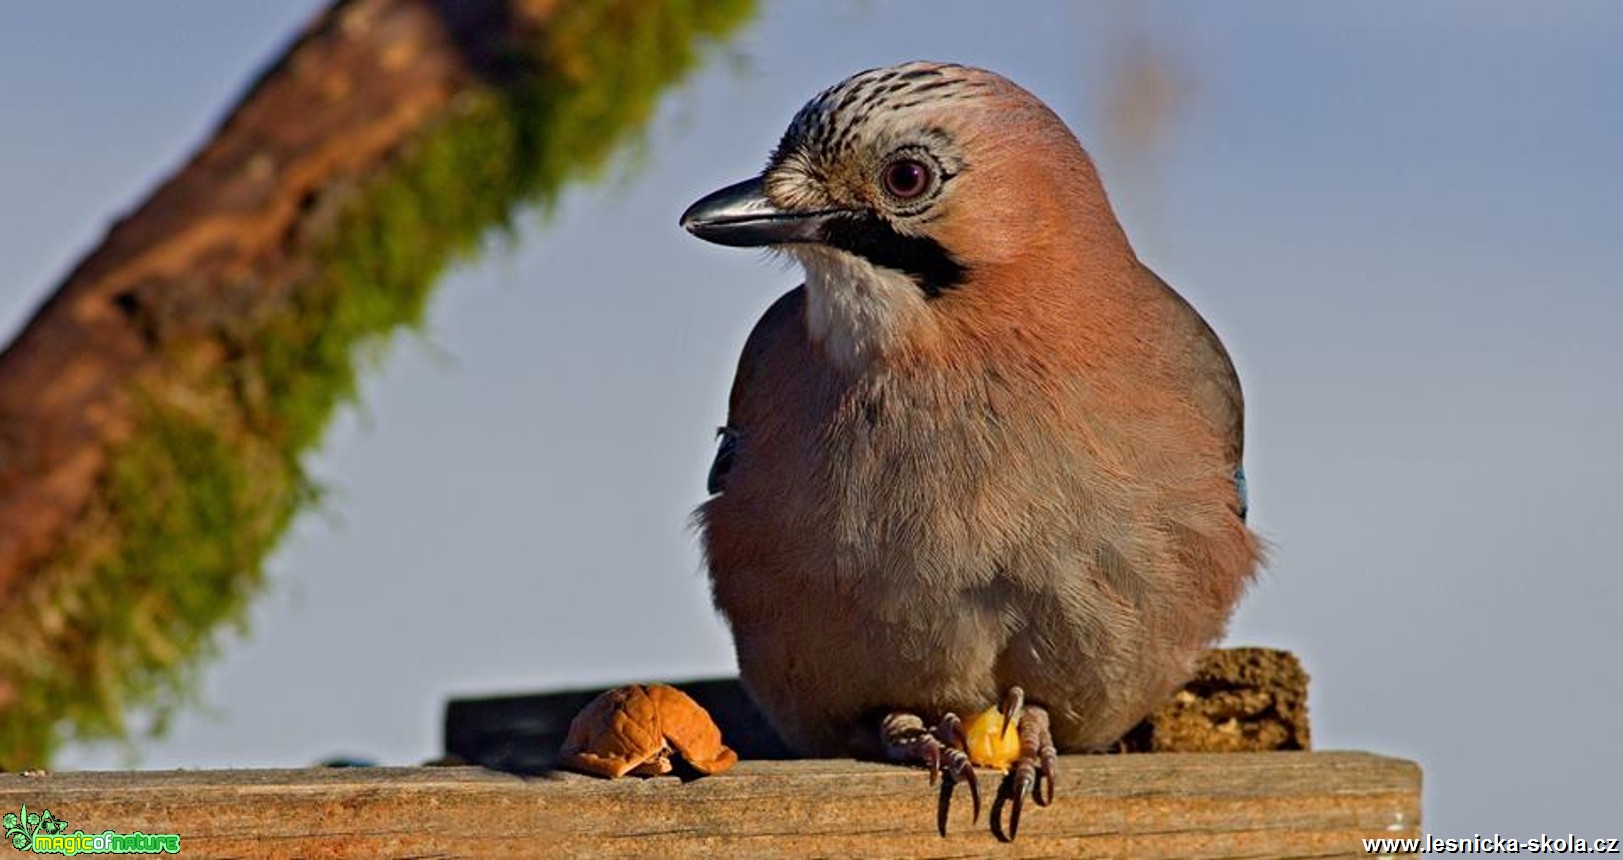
(217, 242)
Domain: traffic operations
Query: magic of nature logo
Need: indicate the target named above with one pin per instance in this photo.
(44, 833)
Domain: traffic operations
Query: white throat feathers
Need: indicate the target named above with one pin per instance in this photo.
(856, 311)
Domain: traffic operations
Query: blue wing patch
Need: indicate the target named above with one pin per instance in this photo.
(725, 451)
(1239, 485)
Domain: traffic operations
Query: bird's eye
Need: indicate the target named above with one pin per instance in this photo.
(906, 178)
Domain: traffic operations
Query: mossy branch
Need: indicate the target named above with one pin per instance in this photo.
(197, 355)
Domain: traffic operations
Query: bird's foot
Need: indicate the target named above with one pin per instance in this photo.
(944, 750)
(1033, 771)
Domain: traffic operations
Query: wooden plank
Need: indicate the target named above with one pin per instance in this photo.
(1280, 804)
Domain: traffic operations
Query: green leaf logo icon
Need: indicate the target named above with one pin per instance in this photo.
(21, 826)
(15, 830)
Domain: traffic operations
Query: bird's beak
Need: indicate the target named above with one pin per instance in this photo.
(741, 216)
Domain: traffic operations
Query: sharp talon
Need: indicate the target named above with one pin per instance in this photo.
(958, 770)
(974, 795)
(1045, 776)
(1013, 701)
(1005, 791)
(1024, 780)
(954, 776)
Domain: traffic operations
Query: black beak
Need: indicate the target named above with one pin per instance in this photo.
(741, 216)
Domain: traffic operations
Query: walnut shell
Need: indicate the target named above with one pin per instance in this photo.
(636, 729)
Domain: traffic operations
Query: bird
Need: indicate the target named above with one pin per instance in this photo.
(982, 455)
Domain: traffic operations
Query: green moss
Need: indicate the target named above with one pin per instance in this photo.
(174, 542)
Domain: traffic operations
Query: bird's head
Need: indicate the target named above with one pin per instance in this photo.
(903, 186)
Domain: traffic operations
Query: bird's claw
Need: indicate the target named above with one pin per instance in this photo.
(943, 750)
(1032, 773)
(953, 756)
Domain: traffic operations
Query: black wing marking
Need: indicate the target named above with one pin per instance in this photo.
(726, 449)
(1244, 491)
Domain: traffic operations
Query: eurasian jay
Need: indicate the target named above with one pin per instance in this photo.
(982, 455)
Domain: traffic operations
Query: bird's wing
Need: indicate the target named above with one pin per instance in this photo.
(1214, 383)
(781, 320)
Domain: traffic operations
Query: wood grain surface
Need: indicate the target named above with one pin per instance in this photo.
(1277, 804)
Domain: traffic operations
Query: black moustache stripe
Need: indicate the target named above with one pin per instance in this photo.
(871, 238)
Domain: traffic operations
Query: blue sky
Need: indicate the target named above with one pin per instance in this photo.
(1402, 218)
